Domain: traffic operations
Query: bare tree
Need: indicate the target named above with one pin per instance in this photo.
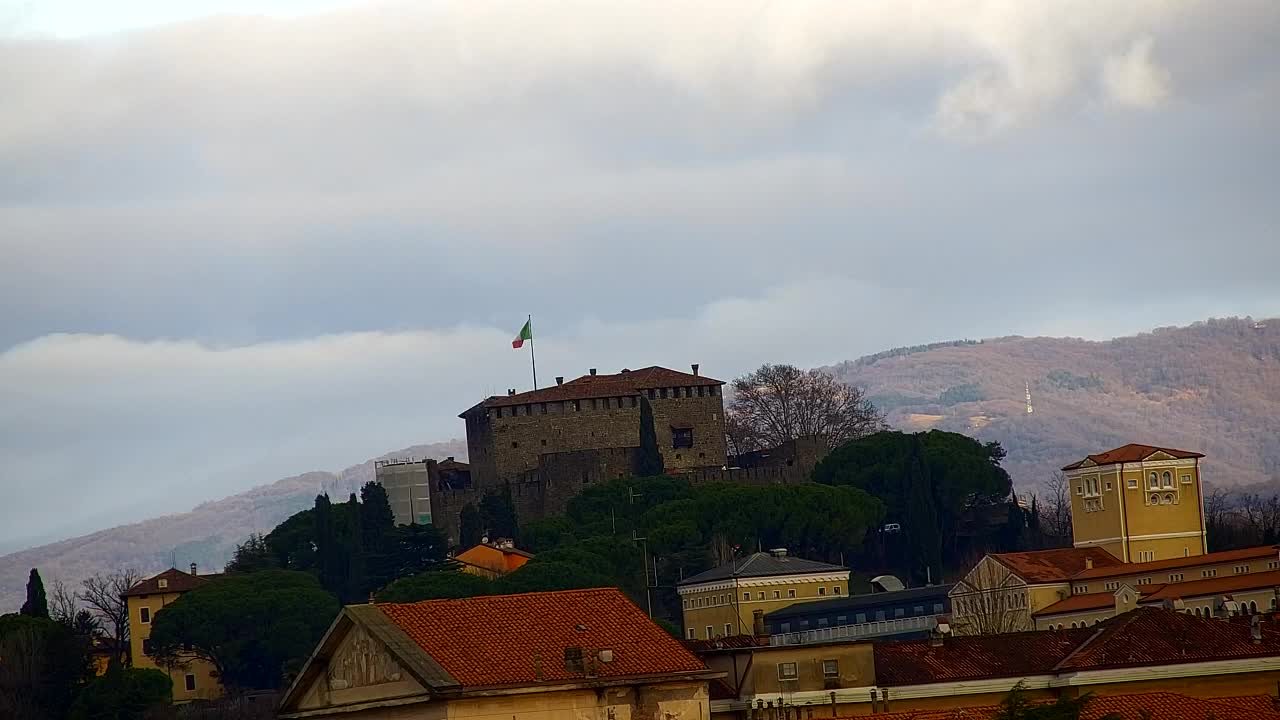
(63, 603)
(990, 600)
(777, 403)
(104, 594)
(1055, 506)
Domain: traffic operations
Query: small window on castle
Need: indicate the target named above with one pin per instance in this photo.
(663, 393)
(702, 455)
(681, 438)
(577, 406)
(701, 391)
(542, 408)
(652, 393)
(595, 404)
(634, 401)
(515, 444)
(677, 456)
(712, 390)
(544, 442)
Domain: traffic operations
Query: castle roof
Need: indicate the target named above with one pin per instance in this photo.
(1132, 453)
(622, 384)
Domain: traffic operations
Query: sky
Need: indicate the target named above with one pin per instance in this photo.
(243, 240)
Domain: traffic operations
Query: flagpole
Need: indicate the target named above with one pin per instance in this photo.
(533, 360)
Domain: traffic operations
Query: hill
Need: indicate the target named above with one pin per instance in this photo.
(1213, 386)
(206, 535)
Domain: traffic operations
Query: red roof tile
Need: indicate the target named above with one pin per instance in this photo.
(498, 640)
(916, 662)
(1040, 566)
(1080, 603)
(1216, 586)
(1136, 706)
(1132, 453)
(176, 582)
(1224, 556)
(732, 642)
(1142, 637)
(623, 384)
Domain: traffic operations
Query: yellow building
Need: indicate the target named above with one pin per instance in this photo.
(195, 679)
(534, 656)
(723, 601)
(1138, 502)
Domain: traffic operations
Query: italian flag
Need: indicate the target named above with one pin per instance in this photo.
(526, 333)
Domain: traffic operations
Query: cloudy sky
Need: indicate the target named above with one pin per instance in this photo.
(241, 240)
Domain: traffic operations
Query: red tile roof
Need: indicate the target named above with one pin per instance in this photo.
(1216, 586)
(1132, 453)
(178, 582)
(1040, 566)
(1224, 556)
(1137, 706)
(1080, 603)
(732, 642)
(623, 384)
(1142, 637)
(499, 640)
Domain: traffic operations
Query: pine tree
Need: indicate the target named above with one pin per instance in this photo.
(37, 604)
(649, 462)
(328, 553)
(353, 547)
(922, 517)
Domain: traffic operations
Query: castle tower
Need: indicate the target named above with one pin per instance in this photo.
(1138, 502)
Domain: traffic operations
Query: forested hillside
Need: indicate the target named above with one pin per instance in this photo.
(1213, 387)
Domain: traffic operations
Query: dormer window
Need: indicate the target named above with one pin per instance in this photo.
(162, 583)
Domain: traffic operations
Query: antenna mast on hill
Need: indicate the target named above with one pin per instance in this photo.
(1029, 408)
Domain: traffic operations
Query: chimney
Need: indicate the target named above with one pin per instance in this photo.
(449, 459)
(778, 552)
(757, 623)
(559, 379)
(695, 369)
(1255, 629)
(193, 568)
(875, 708)
(626, 370)
(884, 699)
(1088, 563)
(511, 391)
(592, 371)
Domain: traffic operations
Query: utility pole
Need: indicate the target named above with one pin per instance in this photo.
(648, 598)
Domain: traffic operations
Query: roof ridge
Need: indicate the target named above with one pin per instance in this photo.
(1118, 621)
(570, 591)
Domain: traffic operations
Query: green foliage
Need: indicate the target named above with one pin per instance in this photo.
(545, 575)
(649, 461)
(922, 518)
(37, 604)
(470, 526)
(123, 694)
(251, 555)
(903, 351)
(44, 665)
(1068, 380)
(417, 548)
(498, 514)
(254, 628)
(329, 560)
(1017, 706)
(968, 392)
(352, 540)
(433, 585)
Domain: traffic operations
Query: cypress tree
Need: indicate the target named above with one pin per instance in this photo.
(649, 462)
(922, 517)
(377, 524)
(37, 604)
(328, 554)
(357, 583)
(470, 526)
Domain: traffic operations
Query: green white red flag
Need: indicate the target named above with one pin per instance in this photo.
(526, 333)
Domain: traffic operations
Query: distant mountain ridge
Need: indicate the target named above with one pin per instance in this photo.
(1213, 386)
(207, 535)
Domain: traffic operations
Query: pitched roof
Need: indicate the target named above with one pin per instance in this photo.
(1143, 637)
(1136, 706)
(1132, 453)
(1059, 565)
(1080, 603)
(916, 662)
(176, 582)
(854, 602)
(502, 639)
(762, 564)
(623, 384)
(494, 557)
(1224, 556)
(1216, 586)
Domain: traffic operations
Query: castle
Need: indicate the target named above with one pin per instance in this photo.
(544, 446)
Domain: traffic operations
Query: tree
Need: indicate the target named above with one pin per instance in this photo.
(253, 628)
(1055, 511)
(44, 666)
(63, 604)
(649, 461)
(1017, 706)
(922, 518)
(777, 403)
(498, 514)
(123, 694)
(470, 526)
(328, 553)
(418, 548)
(990, 600)
(104, 594)
(377, 526)
(433, 585)
(37, 604)
(251, 555)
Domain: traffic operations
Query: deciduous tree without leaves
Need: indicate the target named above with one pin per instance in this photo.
(777, 403)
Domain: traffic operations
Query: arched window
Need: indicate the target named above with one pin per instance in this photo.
(1168, 498)
(1155, 499)
(1073, 626)
(1168, 479)
(1153, 481)
(1253, 607)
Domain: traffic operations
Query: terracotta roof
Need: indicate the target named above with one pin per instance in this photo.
(1182, 562)
(1216, 586)
(1143, 637)
(178, 582)
(1080, 603)
(762, 564)
(1155, 636)
(1060, 565)
(1136, 706)
(623, 384)
(499, 640)
(916, 662)
(1132, 453)
(494, 558)
(732, 642)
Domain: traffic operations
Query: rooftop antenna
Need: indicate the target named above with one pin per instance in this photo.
(1029, 408)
